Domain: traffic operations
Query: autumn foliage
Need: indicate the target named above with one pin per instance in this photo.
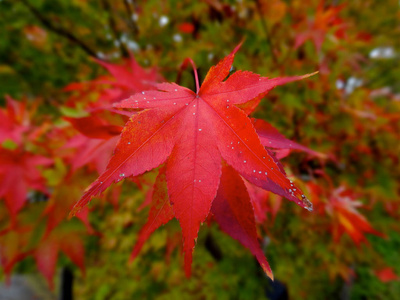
(146, 140)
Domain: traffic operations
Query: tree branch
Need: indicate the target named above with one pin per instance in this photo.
(131, 23)
(113, 26)
(58, 30)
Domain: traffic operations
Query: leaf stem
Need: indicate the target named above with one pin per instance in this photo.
(183, 67)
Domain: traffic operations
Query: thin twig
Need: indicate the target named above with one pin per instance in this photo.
(131, 23)
(113, 26)
(59, 30)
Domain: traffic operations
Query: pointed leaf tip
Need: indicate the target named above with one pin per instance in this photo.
(268, 271)
(73, 212)
(238, 47)
(309, 75)
(307, 204)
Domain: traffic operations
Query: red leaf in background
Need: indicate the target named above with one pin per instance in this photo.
(94, 127)
(18, 174)
(61, 201)
(46, 254)
(263, 203)
(131, 76)
(186, 27)
(124, 80)
(342, 207)
(13, 244)
(234, 213)
(193, 133)
(386, 275)
(325, 19)
(13, 121)
(94, 153)
(96, 143)
(271, 138)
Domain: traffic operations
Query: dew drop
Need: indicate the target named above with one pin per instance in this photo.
(227, 106)
(263, 157)
(254, 171)
(194, 105)
(266, 173)
(144, 98)
(154, 98)
(143, 93)
(290, 190)
(272, 168)
(194, 180)
(227, 100)
(294, 190)
(174, 103)
(259, 172)
(187, 103)
(244, 161)
(129, 143)
(233, 147)
(307, 202)
(199, 180)
(122, 175)
(148, 102)
(199, 129)
(176, 90)
(194, 114)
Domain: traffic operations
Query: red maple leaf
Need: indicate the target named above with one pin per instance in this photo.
(325, 20)
(123, 81)
(13, 243)
(342, 207)
(14, 121)
(61, 201)
(46, 254)
(95, 143)
(386, 275)
(18, 174)
(195, 134)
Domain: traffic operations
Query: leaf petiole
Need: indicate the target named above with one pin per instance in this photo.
(196, 77)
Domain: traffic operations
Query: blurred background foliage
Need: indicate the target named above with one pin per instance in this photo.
(348, 248)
